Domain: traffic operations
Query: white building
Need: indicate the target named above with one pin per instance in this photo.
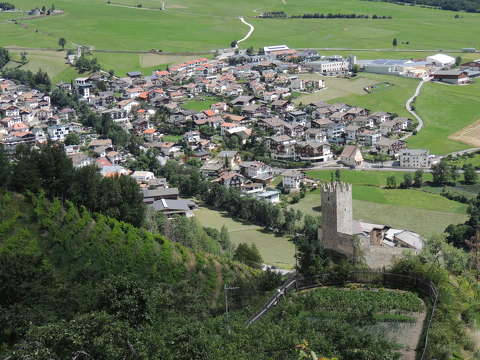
(330, 67)
(414, 158)
(292, 180)
(441, 60)
(58, 132)
(273, 49)
(143, 176)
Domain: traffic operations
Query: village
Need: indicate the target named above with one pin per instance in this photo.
(253, 111)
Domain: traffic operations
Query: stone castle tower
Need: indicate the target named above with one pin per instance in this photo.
(337, 219)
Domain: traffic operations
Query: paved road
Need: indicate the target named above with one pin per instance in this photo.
(252, 29)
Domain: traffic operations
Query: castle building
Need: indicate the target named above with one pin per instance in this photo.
(378, 246)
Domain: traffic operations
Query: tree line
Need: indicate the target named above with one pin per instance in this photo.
(49, 170)
(283, 15)
(453, 5)
(5, 6)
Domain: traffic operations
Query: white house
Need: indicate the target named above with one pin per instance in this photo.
(414, 158)
(292, 179)
(441, 60)
(143, 176)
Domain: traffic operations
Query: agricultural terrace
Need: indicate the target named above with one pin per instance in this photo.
(400, 208)
(275, 250)
(330, 315)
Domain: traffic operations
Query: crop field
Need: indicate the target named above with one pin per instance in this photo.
(446, 110)
(469, 135)
(275, 250)
(398, 208)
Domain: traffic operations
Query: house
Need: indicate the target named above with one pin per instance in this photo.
(256, 170)
(281, 147)
(143, 176)
(172, 208)
(458, 77)
(230, 179)
(230, 158)
(415, 158)
(292, 179)
(389, 146)
(243, 101)
(313, 151)
(150, 196)
(351, 156)
(271, 196)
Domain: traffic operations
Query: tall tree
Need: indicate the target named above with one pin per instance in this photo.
(469, 174)
(62, 42)
(418, 178)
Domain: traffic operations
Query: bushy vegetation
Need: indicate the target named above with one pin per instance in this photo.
(4, 57)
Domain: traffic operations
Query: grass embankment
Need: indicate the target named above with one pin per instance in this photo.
(424, 212)
(275, 250)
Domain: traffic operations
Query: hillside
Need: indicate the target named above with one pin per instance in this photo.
(58, 264)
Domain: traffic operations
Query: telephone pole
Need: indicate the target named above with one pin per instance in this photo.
(226, 289)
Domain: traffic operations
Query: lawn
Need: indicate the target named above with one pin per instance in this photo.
(445, 109)
(53, 62)
(472, 159)
(200, 104)
(172, 138)
(275, 250)
(335, 88)
(425, 212)
(357, 177)
(391, 99)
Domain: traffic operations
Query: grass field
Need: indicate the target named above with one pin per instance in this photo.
(424, 212)
(199, 105)
(335, 88)
(172, 138)
(445, 109)
(214, 24)
(275, 250)
(391, 99)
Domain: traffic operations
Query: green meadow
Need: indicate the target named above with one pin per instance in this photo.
(445, 109)
(214, 24)
(275, 250)
(420, 210)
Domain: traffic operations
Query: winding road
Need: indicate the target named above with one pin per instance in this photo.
(252, 29)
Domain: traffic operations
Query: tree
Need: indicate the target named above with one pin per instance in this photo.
(250, 50)
(394, 42)
(441, 173)
(391, 182)
(23, 58)
(338, 175)
(233, 44)
(72, 139)
(418, 178)
(62, 42)
(407, 181)
(469, 174)
(225, 242)
(248, 255)
(458, 60)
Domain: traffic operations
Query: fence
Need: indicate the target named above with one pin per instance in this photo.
(412, 282)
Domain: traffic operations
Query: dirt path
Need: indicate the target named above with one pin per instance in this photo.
(252, 29)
